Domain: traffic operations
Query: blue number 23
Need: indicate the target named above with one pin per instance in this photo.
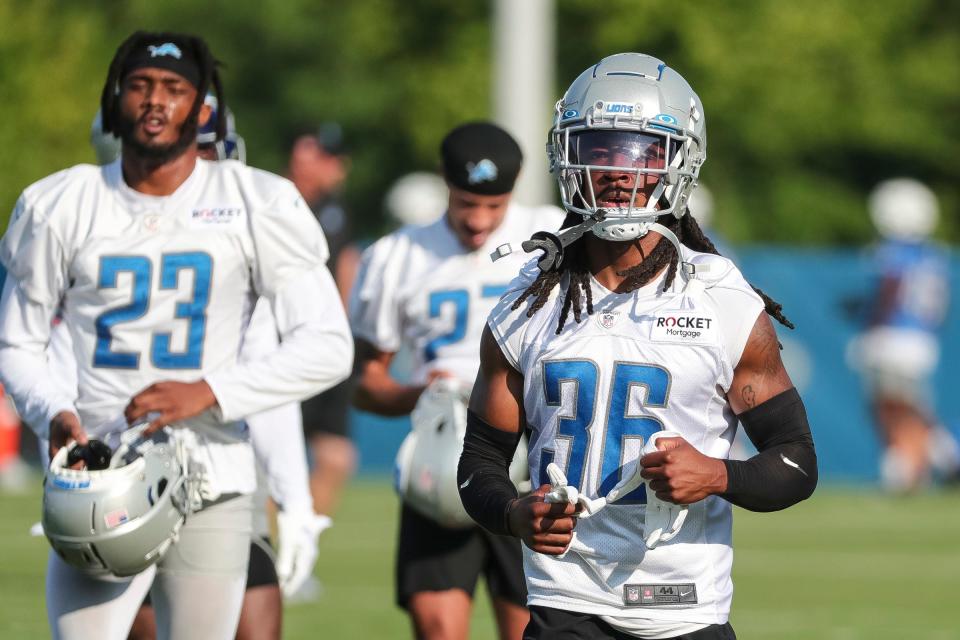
(194, 311)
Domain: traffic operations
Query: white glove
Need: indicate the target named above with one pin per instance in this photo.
(560, 491)
(663, 519)
(298, 533)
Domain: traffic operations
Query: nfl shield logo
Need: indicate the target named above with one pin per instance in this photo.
(608, 318)
(633, 594)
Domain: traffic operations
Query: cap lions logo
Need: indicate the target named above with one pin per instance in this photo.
(165, 49)
(483, 171)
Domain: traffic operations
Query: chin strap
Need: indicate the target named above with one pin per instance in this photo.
(552, 244)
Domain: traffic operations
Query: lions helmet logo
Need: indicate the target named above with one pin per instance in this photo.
(483, 171)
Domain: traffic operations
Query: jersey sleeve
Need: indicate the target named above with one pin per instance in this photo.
(33, 253)
(375, 313)
(287, 239)
(506, 323)
(737, 306)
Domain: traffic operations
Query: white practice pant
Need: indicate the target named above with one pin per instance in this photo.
(197, 588)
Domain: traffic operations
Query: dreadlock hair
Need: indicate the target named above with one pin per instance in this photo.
(664, 254)
(209, 76)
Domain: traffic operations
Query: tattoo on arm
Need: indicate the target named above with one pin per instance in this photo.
(760, 374)
(749, 396)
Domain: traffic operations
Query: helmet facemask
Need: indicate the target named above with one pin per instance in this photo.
(624, 173)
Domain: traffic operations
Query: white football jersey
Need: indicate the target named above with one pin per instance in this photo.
(419, 287)
(643, 362)
(162, 288)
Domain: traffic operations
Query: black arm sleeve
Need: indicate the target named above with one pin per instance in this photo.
(484, 474)
(784, 472)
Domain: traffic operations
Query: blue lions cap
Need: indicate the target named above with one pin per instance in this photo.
(481, 158)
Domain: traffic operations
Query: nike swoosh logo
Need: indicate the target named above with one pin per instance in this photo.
(467, 481)
(790, 463)
(684, 595)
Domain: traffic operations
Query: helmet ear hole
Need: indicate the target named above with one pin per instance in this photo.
(161, 487)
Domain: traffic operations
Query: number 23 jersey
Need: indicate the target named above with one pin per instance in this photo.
(643, 362)
(159, 288)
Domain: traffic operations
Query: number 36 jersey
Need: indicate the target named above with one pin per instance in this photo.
(643, 362)
(420, 288)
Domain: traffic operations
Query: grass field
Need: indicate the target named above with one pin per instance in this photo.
(844, 566)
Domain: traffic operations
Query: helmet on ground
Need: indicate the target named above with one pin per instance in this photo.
(904, 209)
(122, 519)
(633, 115)
(232, 147)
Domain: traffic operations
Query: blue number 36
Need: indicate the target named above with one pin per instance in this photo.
(193, 311)
(579, 429)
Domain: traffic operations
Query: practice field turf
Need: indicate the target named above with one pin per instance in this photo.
(844, 566)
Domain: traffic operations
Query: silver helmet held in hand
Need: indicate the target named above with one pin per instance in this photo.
(633, 115)
(122, 519)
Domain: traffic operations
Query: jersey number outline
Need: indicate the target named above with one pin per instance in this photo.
(194, 311)
(619, 427)
(460, 299)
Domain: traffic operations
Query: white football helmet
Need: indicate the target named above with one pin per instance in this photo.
(628, 113)
(233, 146)
(904, 209)
(106, 146)
(426, 465)
(701, 206)
(122, 519)
(417, 198)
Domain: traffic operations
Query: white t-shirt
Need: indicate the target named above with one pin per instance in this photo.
(162, 288)
(419, 287)
(643, 362)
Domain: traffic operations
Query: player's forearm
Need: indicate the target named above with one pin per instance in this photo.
(483, 474)
(378, 392)
(784, 471)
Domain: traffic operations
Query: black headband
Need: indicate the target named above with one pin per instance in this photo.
(169, 55)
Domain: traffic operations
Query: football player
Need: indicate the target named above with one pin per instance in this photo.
(319, 166)
(901, 348)
(630, 351)
(429, 288)
(155, 261)
(277, 439)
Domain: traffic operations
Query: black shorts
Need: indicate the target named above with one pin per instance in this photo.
(328, 412)
(558, 624)
(261, 571)
(434, 558)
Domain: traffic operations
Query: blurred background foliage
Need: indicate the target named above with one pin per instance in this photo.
(808, 104)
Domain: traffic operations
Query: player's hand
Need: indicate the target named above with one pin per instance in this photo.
(298, 534)
(65, 427)
(680, 474)
(169, 402)
(544, 527)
